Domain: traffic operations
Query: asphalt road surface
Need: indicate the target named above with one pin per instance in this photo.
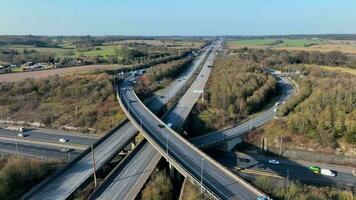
(294, 170)
(129, 176)
(219, 137)
(191, 160)
(52, 136)
(40, 152)
(65, 183)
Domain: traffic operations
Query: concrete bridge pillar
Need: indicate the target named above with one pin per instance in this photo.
(174, 174)
(230, 144)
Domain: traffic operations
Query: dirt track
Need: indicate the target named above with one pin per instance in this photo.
(20, 76)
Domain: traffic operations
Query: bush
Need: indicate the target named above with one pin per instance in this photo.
(158, 188)
(20, 175)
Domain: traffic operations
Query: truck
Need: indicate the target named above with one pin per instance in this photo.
(327, 172)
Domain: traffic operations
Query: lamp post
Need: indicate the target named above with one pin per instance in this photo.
(167, 149)
(201, 177)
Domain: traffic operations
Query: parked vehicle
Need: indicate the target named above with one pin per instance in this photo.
(169, 125)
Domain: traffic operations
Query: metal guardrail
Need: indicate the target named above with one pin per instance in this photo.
(109, 178)
(72, 162)
(80, 156)
(178, 166)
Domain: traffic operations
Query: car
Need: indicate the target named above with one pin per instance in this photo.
(63, 140)
(22, 135)
(277, 103)
(275, 110)
(354, 172)
(315, 169)
(161, 125)
(275, 162)
(202, 75)
(66, 150)
(131, 101)
(162, 97)
(169, 125)
(123, 89)
(21, 129)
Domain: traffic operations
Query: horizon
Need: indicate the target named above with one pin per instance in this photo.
(179, 18)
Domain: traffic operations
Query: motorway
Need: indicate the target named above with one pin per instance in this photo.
(185, 157)
(51, 136)
(219, 137)
(66, 181)
(44, 144)
(40, 152)
(127, 179)
(294, 170)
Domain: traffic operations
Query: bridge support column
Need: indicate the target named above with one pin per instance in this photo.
(229, 145)
(174, 174)
(171, 170)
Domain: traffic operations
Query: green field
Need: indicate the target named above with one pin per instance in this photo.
(254, 42)
(298, 43)
(279, 42)
(104, 51)
(57, 51)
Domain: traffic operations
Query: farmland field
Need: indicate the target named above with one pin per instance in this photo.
(57, 51)
(348, 47)
(342, 69)
(16, 77)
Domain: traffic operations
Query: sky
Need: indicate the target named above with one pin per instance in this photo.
(177, 17)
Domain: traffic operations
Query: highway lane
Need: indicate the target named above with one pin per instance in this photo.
(51, 136)
(67, 181)
(219, 137)
(127, 179)
(41, 152)
(184, 156)
(294, 170)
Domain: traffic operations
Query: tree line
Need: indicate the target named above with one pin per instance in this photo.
(270, 57)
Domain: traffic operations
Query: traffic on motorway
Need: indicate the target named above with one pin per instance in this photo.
(308, 172)
(65, 182)
(189, 160)
(127, 179)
